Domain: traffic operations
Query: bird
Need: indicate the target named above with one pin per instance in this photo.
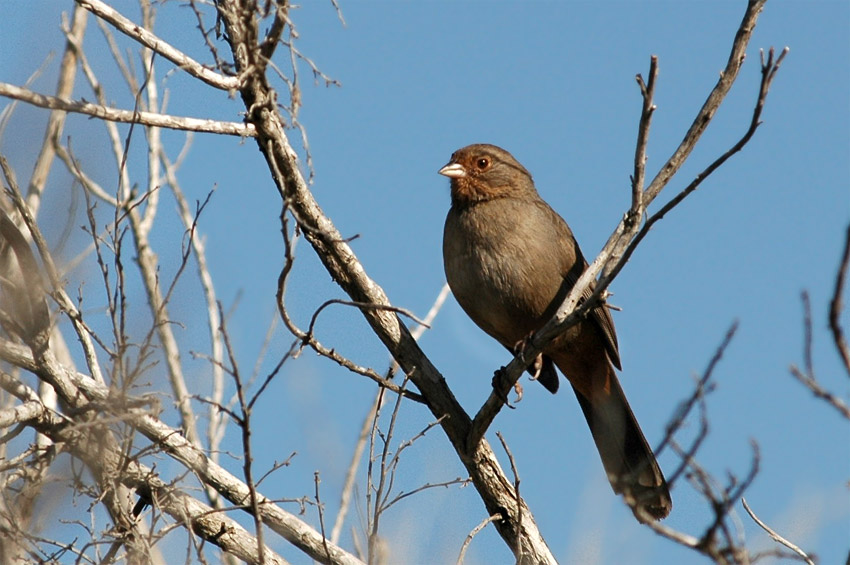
(510, 261)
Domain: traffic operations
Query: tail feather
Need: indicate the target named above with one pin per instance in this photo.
(626, 455)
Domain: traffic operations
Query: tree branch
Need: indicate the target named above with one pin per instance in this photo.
(126, 116)
(148, 39)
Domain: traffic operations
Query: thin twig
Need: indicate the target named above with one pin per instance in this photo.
(277, 465)
(515, 472)
(320, 508)
(244, 422)
(775, 536)
(647, 91)
(427, 486)
(386, 476)
(473, 533)
(289, 242)
(836, 305)
(808, 378)
(701, 388)
(365, 305)
(216, 424)
(351, 473)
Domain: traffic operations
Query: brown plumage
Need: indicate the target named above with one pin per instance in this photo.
(510, 261)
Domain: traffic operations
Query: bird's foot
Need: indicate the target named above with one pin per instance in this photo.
(536, 366)
(500, 387)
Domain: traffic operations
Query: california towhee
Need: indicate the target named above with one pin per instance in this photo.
(510, 261)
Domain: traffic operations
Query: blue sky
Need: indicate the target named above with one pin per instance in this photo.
(554, 84)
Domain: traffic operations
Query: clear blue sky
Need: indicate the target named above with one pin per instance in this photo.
(554, 84)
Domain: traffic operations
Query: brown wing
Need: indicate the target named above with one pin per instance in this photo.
(572, 261)
(600, 315)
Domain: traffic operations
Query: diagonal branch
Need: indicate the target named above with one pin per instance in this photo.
(148, 39)
(775, 536)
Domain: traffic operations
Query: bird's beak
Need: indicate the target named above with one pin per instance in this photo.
(453, 171)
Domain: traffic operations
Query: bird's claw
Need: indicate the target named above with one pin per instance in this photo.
(499, 387)
(518, 389)
(536, 365)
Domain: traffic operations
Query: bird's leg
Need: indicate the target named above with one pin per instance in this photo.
(536, 365)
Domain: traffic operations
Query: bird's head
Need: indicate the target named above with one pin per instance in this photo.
(484, 172)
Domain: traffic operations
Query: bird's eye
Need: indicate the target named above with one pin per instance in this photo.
(482, 163)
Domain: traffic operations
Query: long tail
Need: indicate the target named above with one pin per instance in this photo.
(626, 456)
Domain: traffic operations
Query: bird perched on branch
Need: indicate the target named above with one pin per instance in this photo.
(510, 261)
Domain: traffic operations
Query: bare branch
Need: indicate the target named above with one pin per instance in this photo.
(272, 39)
(351, 472)
(320, 508)
(515, 472)
(216, 423)
(427, 486)
(307, 338)
(647, 91)
(244, 422)
(126, 116)
(148, 39)
(814, 386)
(768, 70)
(56, 121)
